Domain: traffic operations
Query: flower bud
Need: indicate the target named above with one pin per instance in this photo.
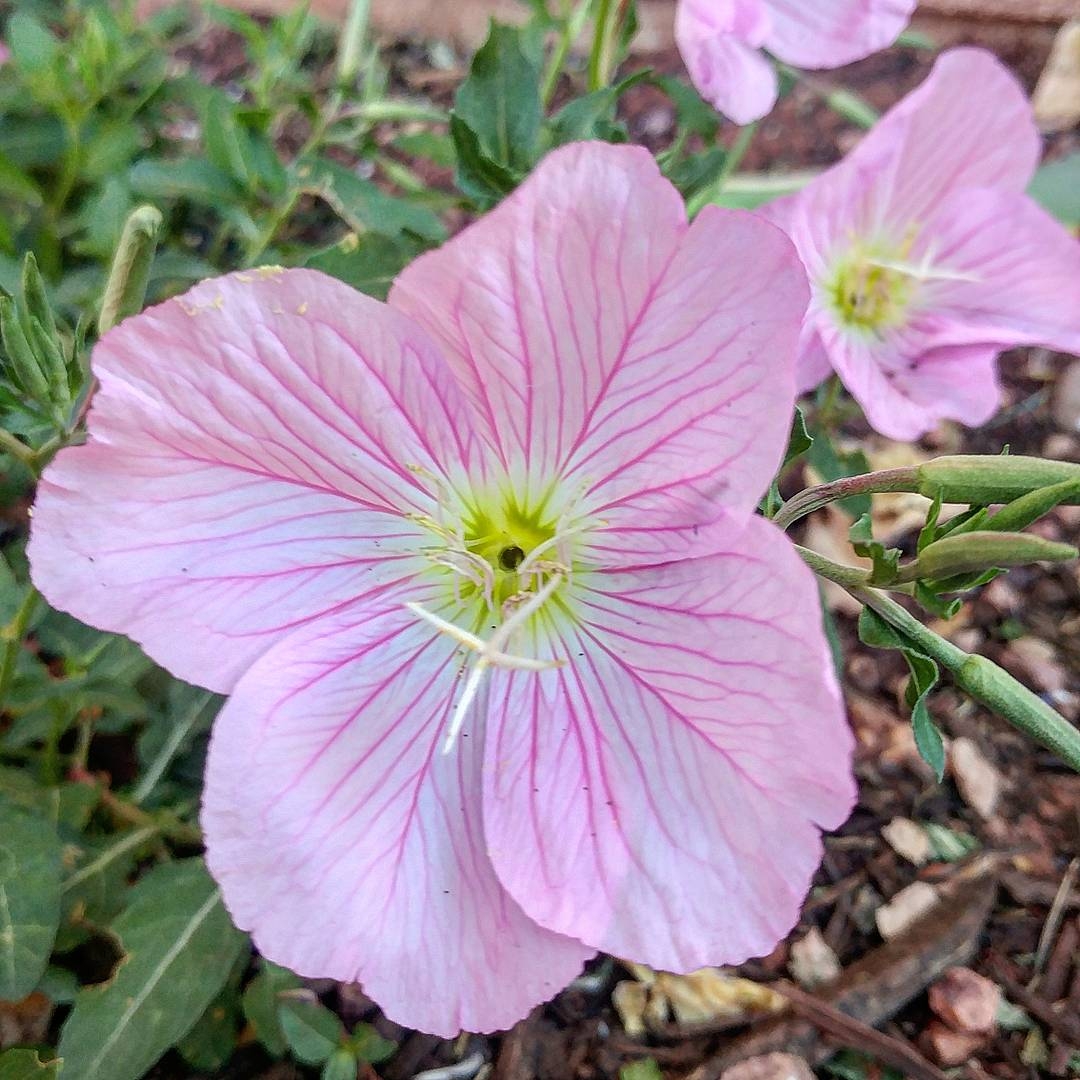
(973, 552)
(986, 480)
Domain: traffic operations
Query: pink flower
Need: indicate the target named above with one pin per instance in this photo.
(720, 42)
(926, 257)
(5, 54)
(516, 673)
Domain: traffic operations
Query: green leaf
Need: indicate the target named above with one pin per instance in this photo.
(312, 1031)
(30, 856)
(800, 439)
(479, 176)
(593, 115)
(34, 48)
(178, 949)
(1056, 187)
(928, 741)
(369, 262)
(26, 1065)
(211, 1042)
(833, 464)
(363, 206)
(947, 845)
(17, 185)
(500, 99)
(342, 1064)
(877, 633)
(157, 179)
(260, 1003)
(886, 560)
(646, 1069)
(368, 1045)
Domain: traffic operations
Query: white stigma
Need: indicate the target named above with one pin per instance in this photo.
(490, 653)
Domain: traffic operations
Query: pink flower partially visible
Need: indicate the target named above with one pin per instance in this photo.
(5, 54)
(516, 673)
(926, 257)
(720, 42)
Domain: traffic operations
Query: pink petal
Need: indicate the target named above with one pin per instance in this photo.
(247, 468)
(614, 346)
(1022, 284)
(719, 43)
(661, 797)
(351, 846)
(1013, 279)
(968, 125)
(905, 400)
(831, 33)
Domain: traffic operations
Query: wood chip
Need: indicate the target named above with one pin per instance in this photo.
(770, 1067)
(978, 781)
(1057, 97)
(905, 908)
(812, 962)
(908, 839)
(967, 1001)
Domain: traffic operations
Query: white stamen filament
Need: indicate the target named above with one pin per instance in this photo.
(490, 653)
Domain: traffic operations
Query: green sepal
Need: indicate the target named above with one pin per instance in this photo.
(886, 560)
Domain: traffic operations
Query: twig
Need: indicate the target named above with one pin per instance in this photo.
(1064, 1024)
(860, 1036)
(1053, 920)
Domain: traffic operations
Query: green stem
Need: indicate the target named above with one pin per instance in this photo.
(806, 502)
(177, 734)
(573, 25)
(351, 43)
(977, 676)
(602, 56)
(732, 161)
(17, 449)
(12, 637)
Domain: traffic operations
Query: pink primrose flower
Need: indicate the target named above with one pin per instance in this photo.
(927, 259)
(720, 42)
(516, 674)
(5, 54)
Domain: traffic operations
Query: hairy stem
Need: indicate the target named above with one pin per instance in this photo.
(806, 502)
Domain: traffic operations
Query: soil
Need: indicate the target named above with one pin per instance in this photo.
(1029, 621)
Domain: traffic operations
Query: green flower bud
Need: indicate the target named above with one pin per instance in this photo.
(985, 480)
(973, 552)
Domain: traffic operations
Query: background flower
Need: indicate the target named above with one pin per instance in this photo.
(720, 41)
(286, 484)
(926, 257)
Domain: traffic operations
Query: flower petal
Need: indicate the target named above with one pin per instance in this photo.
(246, 468)
(614, 346)
(1017, 273)
(1009, 275)
(661, 796)
(722, 56)
(944, 137)
(351, 847)
(904, 401)
(831, 33)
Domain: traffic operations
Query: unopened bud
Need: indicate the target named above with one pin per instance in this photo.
(986, 480)
(973, 552)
